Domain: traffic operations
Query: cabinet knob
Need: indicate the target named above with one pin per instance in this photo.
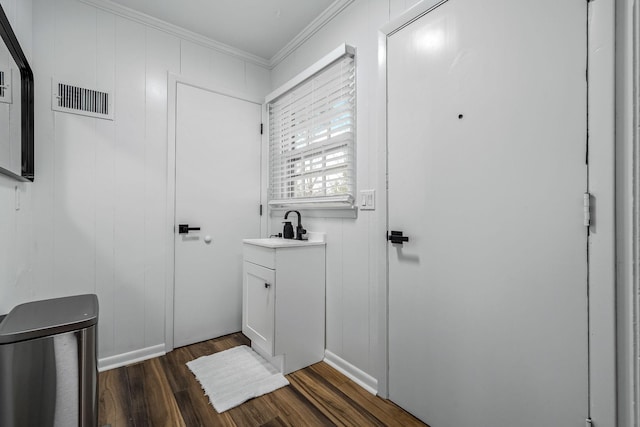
(267, 285)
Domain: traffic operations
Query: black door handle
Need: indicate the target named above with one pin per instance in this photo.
(184, 229)
(397, 237)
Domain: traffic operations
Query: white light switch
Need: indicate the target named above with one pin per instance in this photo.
(367, 200)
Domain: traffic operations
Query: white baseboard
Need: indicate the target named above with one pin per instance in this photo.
(358, 376)
(131, 357)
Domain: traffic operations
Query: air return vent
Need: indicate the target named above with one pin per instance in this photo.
(5, 85)
(78, 100)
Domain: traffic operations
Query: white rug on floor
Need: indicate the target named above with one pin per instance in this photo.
(234, 376)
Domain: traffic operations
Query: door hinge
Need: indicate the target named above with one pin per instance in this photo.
(261, 128)
(589, 423)
(261, 210)
(587, 209)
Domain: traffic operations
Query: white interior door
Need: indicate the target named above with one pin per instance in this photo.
(217, 190)
(486, 162)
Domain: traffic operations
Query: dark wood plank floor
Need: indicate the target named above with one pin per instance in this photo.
(164, 392)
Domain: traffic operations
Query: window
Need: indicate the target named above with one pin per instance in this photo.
(312, 138)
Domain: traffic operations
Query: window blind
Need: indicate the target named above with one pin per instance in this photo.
(312, 138)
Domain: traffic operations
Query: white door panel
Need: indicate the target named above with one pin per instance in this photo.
(486, 161)
(218, 190)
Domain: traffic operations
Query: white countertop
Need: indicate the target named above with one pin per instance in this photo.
(275, 242)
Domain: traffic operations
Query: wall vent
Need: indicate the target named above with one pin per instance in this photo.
(5, 86)
(78, 100)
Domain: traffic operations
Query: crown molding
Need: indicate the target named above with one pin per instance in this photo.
(316, 25)
(175, 30)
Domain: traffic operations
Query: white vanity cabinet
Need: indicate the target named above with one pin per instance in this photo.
(283, 301)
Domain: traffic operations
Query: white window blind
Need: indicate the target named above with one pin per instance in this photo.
(312, 138)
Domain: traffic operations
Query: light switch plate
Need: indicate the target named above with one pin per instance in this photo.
(367, 200)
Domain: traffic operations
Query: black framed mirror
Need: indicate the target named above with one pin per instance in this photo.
(16, 107)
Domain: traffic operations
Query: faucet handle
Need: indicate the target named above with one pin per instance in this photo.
(299, 232)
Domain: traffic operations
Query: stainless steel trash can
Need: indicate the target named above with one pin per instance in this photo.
(48, 370)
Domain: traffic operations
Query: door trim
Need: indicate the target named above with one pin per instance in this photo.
(601, 174)
(172, 90)
(628, 213)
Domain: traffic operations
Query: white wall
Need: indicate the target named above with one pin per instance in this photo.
(99, 197)
(93, 221)
(353, 245)
(16, 226)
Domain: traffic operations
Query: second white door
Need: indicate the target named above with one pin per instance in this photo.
(217, 191)
(487, 139)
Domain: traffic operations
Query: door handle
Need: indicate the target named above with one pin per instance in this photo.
(397, 237)
(184, 229)
(267, 285)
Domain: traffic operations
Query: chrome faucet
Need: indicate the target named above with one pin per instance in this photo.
(299, 230)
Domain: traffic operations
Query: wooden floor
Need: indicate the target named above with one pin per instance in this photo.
(164, 392)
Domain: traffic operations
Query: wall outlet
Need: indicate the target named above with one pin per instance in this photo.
(367, 200)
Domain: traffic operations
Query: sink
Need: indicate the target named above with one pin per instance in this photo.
(315, 239)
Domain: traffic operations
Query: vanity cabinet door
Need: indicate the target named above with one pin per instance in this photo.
(258, 298)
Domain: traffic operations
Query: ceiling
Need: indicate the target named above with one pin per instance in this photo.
(259, 27)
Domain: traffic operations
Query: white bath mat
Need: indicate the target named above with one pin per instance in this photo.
(234, 376)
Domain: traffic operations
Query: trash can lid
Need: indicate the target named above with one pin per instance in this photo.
(39, 319)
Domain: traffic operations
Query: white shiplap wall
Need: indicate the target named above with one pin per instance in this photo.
(16, 226)
(353, 245)
(99, 200)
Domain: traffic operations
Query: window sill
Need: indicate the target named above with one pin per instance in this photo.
(317, 211)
